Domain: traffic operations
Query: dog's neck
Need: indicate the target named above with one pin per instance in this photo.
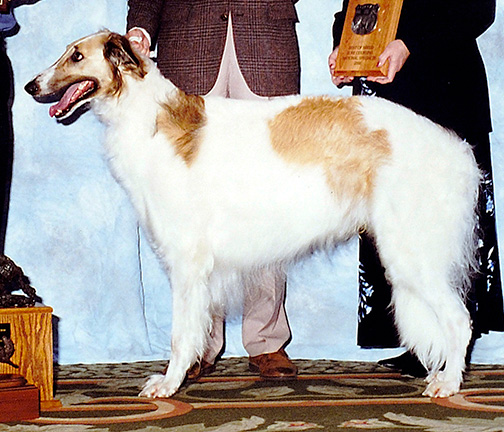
(139, 98)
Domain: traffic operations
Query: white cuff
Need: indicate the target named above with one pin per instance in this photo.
(137, 39)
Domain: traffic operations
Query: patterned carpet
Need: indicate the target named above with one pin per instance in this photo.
(328, 395)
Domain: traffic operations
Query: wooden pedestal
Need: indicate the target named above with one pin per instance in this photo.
(18, 401)
(31, 333)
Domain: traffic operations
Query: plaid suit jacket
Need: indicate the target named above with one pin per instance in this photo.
(191, 34)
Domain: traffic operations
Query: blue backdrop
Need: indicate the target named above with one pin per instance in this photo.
(74, 233)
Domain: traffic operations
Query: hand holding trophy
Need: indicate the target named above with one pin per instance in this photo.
(370, 25)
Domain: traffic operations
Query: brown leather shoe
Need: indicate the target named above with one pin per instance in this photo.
(273, 366)
(199, 369)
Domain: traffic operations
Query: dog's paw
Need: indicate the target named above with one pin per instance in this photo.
(440, 387)
(157, 386)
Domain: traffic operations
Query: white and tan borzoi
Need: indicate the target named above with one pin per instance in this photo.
(225, 188)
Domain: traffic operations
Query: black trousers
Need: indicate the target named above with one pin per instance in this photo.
(6, 138)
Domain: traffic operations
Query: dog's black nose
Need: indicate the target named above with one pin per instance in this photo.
(32, 87)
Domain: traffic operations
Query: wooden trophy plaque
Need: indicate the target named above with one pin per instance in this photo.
(4, 6)
(370, 25)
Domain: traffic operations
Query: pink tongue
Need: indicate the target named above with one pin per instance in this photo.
(72, 94)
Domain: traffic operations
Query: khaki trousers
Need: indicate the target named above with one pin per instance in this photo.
(264, 324)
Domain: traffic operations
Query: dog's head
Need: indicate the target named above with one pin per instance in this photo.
(91, 67)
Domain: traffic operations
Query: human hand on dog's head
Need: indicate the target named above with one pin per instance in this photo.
(139, 40)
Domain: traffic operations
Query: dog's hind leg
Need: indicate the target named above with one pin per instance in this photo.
(429, 312)
(430, 315)
(436, 327)
(191, 325)
(425, 238)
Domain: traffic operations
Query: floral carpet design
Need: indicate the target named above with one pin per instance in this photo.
(327, 396)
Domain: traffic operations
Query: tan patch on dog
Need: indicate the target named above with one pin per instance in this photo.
(332, 133)
(181, 121)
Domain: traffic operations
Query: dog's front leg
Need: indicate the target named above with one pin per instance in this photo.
(191, 325)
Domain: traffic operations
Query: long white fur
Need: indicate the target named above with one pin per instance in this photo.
(240, 207)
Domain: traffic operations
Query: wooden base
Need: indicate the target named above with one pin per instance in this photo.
(50, 405)
(31, 333)
(18, 400)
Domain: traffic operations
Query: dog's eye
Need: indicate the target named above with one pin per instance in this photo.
(77, 56)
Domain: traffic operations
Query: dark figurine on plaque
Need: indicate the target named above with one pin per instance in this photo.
(13, 279)
(365, 18)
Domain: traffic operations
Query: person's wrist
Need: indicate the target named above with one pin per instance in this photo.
(138, 39)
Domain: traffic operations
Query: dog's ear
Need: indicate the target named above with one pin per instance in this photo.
(118, 52)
